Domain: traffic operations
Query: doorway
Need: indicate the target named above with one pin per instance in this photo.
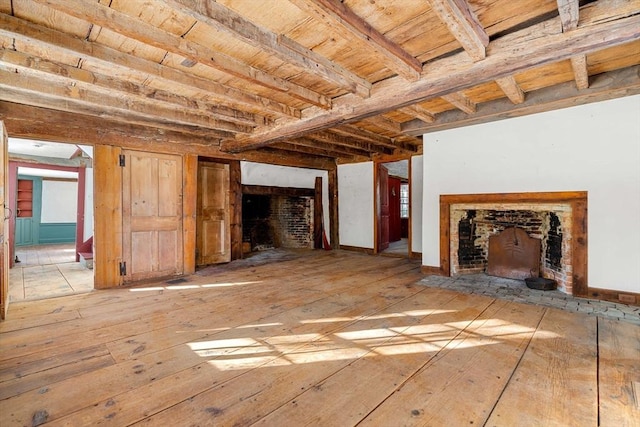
(49, 186)
(393, 208)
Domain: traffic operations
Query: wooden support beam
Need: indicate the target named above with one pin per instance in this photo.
(21, 89)
(308, 146)
(461, 102)
(337, 16)
(419, 113)
(41, 37)
(19, 60)
(226, 20)
(610, 85)
(139, 30)
(332, 138)
(516, 52)
(265, 190)
(580, 71)
(511, 88)
(569, 11)
(98, 101)
(463, 24)
(75, 162)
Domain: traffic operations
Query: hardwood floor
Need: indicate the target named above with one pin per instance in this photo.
(323, 338)
(48, 271)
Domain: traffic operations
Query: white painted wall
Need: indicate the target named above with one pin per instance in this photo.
(594, 147)
(59, 201)
(355, 204)
(416, 203)
(285, 176)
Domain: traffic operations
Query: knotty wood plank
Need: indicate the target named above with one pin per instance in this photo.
(461, 383)
(301, 366)
(558, 368)
(164, 393)
(618, 369)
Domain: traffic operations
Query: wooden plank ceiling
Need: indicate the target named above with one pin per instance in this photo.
(328, 80)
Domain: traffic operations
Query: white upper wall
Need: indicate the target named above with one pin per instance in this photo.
(355, 204)
(594, 147)
(59, 201)
(285, 176)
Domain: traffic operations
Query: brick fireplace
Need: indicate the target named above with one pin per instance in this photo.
(559, 220)
(274, 217)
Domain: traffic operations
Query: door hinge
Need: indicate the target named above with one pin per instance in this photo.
(121, 160)
(123, 268)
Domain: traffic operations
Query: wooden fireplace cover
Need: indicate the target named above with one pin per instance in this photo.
(513, 254)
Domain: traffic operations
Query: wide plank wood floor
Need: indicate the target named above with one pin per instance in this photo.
(321, 338)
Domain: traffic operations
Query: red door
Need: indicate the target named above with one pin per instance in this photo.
(383, 208)
(395, 226)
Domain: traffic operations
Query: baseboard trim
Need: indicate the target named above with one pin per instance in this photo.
(367, 251)
(622, 297)
(436, 271)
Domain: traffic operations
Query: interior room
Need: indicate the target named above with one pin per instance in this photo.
(319, 212)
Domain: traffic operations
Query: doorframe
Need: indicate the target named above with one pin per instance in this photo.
(376, 215)
(80, 194)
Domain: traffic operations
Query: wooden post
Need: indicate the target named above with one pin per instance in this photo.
(235, 204)
(317, 214)
(333, 207)
(189, 192)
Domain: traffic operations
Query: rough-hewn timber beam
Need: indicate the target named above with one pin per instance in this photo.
(339, 150)
(610, 85)
(97, 101)
(24, 89)
(25, 121)
(511, 88)
(76, 162)
(569, 11)
(463, 24)
(337, 16)
(419, 113)
(510, 54)
(41, 37)
(332, 138)
(461, 102)
(19, 60)
(226, 20)
(146, 33)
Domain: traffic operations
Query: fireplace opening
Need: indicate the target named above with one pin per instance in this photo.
(276, 221)
(475, 228)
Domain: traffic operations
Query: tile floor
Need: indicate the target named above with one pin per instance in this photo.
(47, 271)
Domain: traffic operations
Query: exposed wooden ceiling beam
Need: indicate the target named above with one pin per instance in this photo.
(511, 88)
(461, 102)
(19, 60)
(610, 85)
(463, 24)
(39, 36)
(569, 11)
(228, 21)
(24, 89)
(332, 138)
(25, 121)
(515, 52)
(362, 134)
(337, 16)
(316, 151)
(101, 101)
(139, 30)
(339, 150)
(580, 71)
(419, 113)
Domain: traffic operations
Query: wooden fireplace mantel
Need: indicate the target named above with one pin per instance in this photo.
(576, 199)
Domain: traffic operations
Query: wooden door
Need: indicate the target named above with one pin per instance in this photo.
(4, 230)
(383, 207)
(151, 215)
(395, 226)
(213, 237)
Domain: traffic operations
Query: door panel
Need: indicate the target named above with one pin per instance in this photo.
(152, 215)
(383, 202)
(4, 230)
(395, 227)
(213, 242)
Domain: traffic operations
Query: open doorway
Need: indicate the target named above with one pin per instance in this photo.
(51, 219)
(393, 208)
